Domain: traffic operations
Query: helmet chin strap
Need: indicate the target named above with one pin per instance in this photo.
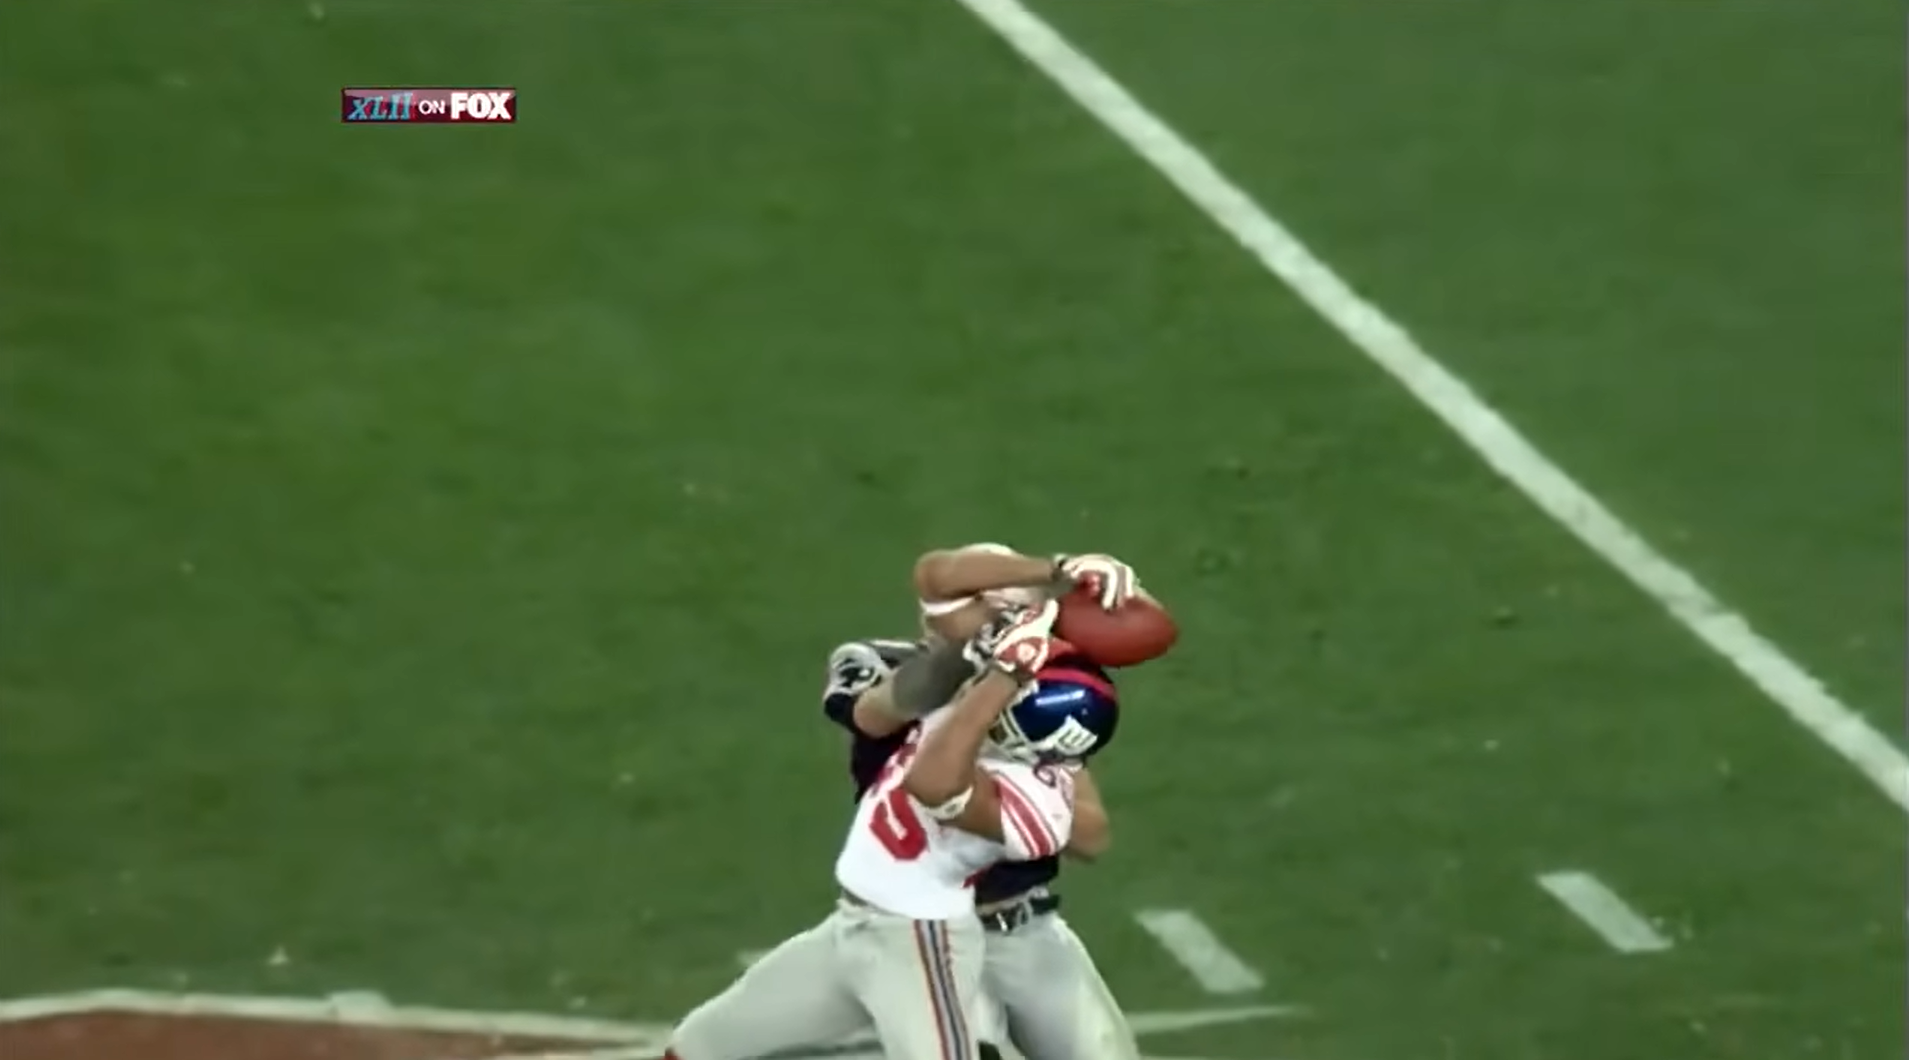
(1026, 756)
(1022, 752)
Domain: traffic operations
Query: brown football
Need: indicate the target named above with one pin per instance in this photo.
(1133, 633)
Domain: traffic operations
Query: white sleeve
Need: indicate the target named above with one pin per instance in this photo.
(1037, 809)
(996, 599)
(937, 608)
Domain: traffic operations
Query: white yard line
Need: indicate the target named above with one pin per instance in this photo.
(1217, 969)
(1607, 914)
(1447, 396)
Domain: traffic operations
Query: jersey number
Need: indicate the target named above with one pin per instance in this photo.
(897, 828)
(893, 819)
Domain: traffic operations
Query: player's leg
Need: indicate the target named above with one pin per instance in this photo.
(920, 982)
(1058, 1006)
(795, 995)
(990, 1025)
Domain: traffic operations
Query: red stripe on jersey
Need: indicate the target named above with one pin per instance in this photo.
(1014, 815)
(1043, 840)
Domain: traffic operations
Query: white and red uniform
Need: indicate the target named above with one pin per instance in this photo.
(903, 952)
(899, 859)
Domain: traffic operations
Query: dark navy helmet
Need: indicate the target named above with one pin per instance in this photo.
(1068, 716)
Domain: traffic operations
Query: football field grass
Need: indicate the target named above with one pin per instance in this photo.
(418, 547)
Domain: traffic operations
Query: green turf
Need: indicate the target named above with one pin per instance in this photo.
(419, 544)
(1656, 233)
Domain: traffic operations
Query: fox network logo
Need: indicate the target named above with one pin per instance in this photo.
(446, 105)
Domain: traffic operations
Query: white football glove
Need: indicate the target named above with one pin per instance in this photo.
(979, 648)
(1021, 643)
(1111, 581)
(854, 668)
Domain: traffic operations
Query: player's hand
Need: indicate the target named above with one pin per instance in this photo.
(980, 648)
(1111, 581)
(854, 668)
(1023, 645)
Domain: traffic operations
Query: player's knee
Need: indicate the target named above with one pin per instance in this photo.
(690, 1046)
(700, 1036)
(1106, 1034)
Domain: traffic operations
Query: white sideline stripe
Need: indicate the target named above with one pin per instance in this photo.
(455, 1021)
(327, 1010)
(1007, 1050)
(1496, 441)
(359, 1004)
(614, 1052)
(1141, 1023)
(747, 958)
(1599, 907)
(1217, 969)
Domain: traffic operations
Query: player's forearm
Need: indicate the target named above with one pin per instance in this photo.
(1093, 834)
(956, 574)
(943, 768)
(875, 714)
(929, 680)
(1093, 831)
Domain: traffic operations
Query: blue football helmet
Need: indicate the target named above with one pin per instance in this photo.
(1069, 715)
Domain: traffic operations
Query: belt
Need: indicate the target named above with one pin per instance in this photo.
(1002, 921)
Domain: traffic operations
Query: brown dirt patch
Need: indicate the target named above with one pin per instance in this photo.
(125, 1036)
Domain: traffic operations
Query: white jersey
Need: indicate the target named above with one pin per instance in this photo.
(902, 861)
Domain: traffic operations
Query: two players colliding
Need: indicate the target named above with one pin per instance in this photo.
(968, 759)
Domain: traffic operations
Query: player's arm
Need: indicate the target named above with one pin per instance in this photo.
(944, 775)
(945, 579)
(910, 679)
(927, 681)
(874, 713)
(857, 696)
(1092, 832)
(950, 582)
(952, 586)
(1028, 811)
(961, 591)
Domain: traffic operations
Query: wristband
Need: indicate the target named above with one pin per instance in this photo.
(951, 809)
(938, 608)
